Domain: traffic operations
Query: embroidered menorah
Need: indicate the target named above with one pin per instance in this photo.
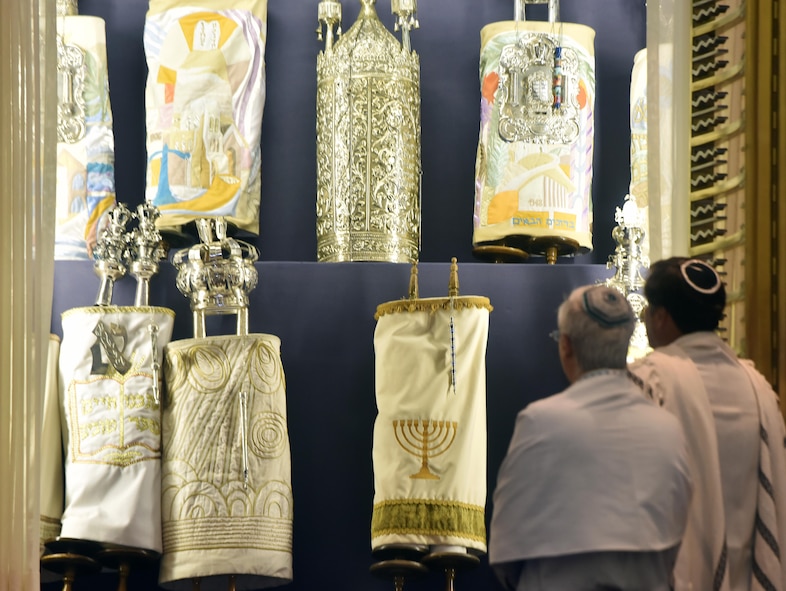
(425, 439)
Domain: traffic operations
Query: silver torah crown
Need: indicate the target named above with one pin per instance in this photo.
(110, 253)
(217, 274)
(144, 250)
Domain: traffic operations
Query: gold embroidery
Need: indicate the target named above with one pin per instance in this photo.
(124, 458)
(146, 401)
(109, 310)
(429, 517)
(103, 439)
(147, 424)
(48, 528)
(208, 368)
(102, 427)
(264, 368)
(106, 400)
(249, 533)
(206, 503)
(269, 437)
(425, 439)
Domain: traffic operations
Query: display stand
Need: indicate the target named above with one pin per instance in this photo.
(399, 563)
(399, 571)
(124, 559)
(451, 563)
(71, 558)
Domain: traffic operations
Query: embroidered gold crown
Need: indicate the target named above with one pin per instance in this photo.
(218, 273)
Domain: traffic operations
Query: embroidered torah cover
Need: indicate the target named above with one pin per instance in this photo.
(638, 143)
(204, 100)
(215, 522)
(51, 454)
(85, 187)
(429, 450)
(112, 423)
(533, 174)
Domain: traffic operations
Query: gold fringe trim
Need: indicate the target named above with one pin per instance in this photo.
(118, 310)
(432, 305)
(429, 517)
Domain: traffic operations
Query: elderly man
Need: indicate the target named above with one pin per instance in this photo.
(734, 429)
(594, 491)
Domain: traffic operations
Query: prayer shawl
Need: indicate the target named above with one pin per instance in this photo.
(770, 533)
(597, 468)
(671, 376)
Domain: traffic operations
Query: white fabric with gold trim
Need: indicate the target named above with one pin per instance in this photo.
(111, 423)
(227, 492)
(204, 100)
(51, 454)
(429, 451)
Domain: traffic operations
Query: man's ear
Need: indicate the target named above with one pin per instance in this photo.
(565, 346)
(659, 316)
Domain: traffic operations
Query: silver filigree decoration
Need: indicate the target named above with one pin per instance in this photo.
(368, 146)
(526, 92)
(71, 125)
(629, 263)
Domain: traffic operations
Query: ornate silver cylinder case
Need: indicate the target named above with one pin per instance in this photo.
(368, 139)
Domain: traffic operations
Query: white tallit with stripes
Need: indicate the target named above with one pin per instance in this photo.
(769, 566)
(703, 563)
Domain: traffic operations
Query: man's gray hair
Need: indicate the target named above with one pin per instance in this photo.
(599, 322)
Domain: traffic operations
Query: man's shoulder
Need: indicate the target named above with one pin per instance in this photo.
(661, 369)
(547, 414)
(660, 359)
(550, 407)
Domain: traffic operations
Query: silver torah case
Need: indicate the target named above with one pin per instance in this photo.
(368, 139)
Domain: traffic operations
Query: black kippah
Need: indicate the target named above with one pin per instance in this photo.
(607, 306)
(700, 276)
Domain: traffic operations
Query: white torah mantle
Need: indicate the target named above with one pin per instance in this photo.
(111, 423)
(226, 491)
(429, 449)
(51, 451)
